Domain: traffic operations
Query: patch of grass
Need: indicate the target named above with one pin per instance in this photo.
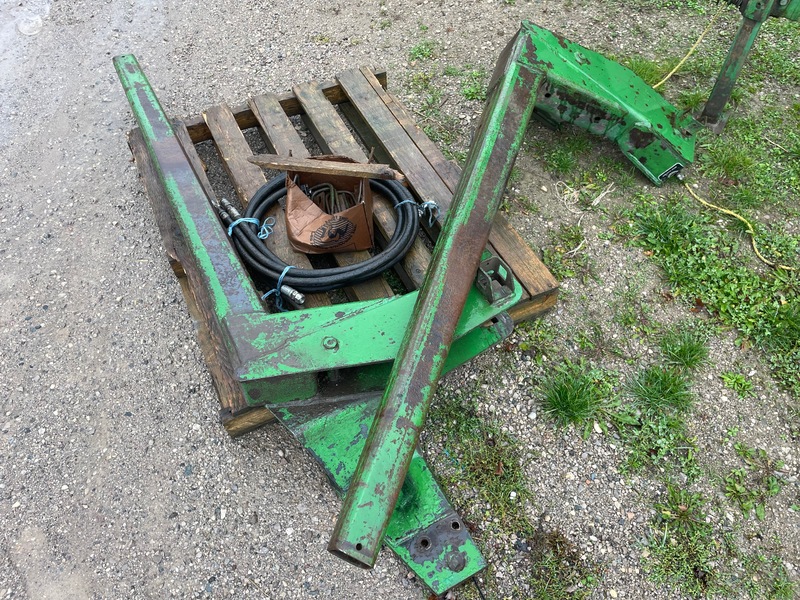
(485, 459)
(707, 266)
(630, 309)
(685, 349)
(759, 480)
(581, 395)
(727, 161)
(484, 465)
(651, 71)
(660, 440)
(561, 154)
(738, 383)
(659, 388)
(682, 551)
(473, 85)
(566, 258)
(767, 577)
(425, 50)
(557, 570)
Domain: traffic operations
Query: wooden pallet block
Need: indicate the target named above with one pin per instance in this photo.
(337, 114)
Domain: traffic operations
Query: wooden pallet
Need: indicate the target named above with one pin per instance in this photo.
(345, 117)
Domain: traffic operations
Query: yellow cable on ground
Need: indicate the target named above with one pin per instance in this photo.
(692, 49)
(750, 229)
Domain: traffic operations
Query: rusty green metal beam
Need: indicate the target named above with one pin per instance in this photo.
(379, 478)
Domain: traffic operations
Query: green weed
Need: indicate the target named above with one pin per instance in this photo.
(682, 551)
(473, 85)
(738, 383)
(707, 266)
(661, 389)
(565, 258)
(759, 480)
(685, 349)
(425, 50)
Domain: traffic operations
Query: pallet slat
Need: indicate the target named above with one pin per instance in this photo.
(277, 130)
(247, 178)
(199, 132)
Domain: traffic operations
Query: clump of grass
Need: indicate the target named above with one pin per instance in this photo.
(486, 460)
(685, 349)
(557, 570)
(578, 394)
(425, 50)
(682, 551)
(661, 389)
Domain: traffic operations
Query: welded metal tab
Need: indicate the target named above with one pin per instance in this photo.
(373, 494)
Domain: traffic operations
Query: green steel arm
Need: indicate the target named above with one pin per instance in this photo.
(392, 439)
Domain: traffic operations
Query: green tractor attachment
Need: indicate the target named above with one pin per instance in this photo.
(353, 381)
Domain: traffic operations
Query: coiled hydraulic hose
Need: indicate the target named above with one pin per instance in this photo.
(263, 262)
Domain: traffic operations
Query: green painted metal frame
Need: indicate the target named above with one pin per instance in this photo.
(376, 487)
(281, 360)
(584, 88)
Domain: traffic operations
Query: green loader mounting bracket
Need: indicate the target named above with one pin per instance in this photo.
(592, 92)
(321, 370)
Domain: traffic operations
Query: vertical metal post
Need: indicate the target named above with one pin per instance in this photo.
(393, 437)
(737, 55)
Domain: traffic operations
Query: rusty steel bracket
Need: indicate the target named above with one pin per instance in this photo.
(494, 279)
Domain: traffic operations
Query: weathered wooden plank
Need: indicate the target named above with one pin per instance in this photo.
(325, 124)
(247, 178)
(277, 130)
(199, 132)
(446, 168)
(325, 167)
(422, 177)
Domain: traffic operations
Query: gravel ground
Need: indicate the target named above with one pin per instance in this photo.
(116, 478)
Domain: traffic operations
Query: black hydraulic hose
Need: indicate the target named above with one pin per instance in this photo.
(265, 263)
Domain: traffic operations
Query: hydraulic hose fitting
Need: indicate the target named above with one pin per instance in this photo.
(293, 295)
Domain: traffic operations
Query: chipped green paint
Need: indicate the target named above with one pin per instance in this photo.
(336, 440)
(184, 190)
(377, 483)
(590, 91)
